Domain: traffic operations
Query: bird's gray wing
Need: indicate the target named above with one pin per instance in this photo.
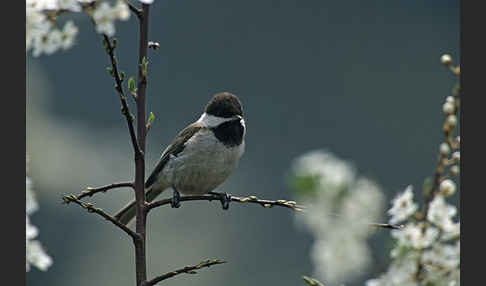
(174, 148)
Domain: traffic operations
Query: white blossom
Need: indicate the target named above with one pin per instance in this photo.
(69, 34)
(440, 261)
(122, 11)
(53, 42)
(414, 236)
(42, 35)
(147, 1)
(402, 206)
(343, 203)
(340, 257)
(333, 175)
(362, 206)
(31, 203)
(36, 256)
(30, 230)
(400, 273)
(453, 232)
(440, 213)
(37, 26)
(71, 5)
(34, 252)
(105, 16)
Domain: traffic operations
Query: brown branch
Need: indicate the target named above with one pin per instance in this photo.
(253, 199)
(110, 49)
(140, 212)
(90, 207)
(91, 191)
(187, 269)
(210, 197)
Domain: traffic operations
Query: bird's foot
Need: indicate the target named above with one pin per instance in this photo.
(175, 201)
(224, 198)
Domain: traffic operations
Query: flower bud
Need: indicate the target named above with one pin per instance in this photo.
(447, 187)
(451, 120)
(456, 156)
(448, 108)
(444, 149)
(446, 60)
(450, 99)
(454, 170)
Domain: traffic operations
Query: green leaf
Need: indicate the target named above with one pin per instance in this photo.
(304, 185)
(110, 71)
(150, 120)
(131, 84)
(151, 117)
(144, 66)
(105, 45)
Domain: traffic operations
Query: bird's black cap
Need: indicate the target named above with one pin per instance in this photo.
(225, 105)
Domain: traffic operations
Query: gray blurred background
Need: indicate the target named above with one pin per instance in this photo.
(361, 79)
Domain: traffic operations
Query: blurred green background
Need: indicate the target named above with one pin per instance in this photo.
(361, 79)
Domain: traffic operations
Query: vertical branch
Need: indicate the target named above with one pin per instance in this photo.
(140, 249)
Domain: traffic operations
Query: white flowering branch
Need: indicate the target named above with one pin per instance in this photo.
(425, 253)
(440, 184)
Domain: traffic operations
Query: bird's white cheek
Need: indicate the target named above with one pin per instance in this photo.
(242, 121)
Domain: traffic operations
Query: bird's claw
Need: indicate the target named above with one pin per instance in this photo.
(224, 198)
(175, 201)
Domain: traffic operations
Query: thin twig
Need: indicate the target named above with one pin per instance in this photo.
(187, 269)
(210, 197)
(90, 207)
(253, 199)
(125, 109)
(387, 225)
(134, 9)
(91, 191)
(312, 281)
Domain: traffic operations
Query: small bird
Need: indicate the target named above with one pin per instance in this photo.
(201, 156)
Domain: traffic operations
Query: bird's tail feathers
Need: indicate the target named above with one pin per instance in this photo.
(127, 214)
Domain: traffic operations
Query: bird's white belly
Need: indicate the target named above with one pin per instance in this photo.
(203, 165)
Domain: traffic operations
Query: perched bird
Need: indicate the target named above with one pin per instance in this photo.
(200, 157)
